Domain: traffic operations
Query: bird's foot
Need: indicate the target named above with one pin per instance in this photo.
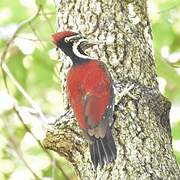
(126, 91)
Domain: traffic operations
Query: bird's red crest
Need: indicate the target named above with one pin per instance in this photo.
(57, 37)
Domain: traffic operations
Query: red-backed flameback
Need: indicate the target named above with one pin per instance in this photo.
(91, 96)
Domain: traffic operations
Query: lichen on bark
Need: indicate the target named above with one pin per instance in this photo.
(141, 129)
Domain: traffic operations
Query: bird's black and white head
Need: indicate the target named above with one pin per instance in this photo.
(73, 45)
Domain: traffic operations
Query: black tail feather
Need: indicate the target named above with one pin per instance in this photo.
(100, 152)
(103, 150)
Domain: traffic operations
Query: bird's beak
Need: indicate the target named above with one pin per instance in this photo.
(87, 44)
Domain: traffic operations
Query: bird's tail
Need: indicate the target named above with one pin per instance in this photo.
(103, 150)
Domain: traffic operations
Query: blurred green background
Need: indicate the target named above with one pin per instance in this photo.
(32, 60)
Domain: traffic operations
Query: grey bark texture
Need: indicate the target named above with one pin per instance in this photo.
(142, 129)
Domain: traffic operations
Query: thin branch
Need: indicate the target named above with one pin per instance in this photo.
(46, 18)
(47, 13)
(20, 27)
(23, 92)
(53, 168)
(35, 33)
(16, 109)
(17, 149)
(31, 39)
(7, 72)
(35, 40)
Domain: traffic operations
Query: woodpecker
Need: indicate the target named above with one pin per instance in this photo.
(91, 95)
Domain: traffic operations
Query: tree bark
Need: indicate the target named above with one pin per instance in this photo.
(142, 129)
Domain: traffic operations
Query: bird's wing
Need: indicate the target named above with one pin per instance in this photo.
(98, 112)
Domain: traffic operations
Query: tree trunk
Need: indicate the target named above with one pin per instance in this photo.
(142, 129)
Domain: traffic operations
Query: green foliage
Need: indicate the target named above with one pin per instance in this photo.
(166, 34)
(30, 63)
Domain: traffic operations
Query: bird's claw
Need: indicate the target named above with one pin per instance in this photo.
(126, 91)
